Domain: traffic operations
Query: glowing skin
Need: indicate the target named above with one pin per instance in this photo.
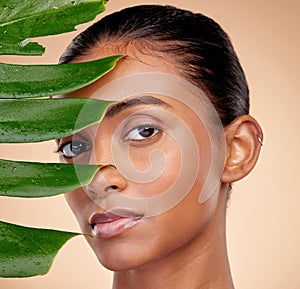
(182, 248)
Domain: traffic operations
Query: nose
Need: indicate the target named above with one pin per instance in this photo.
(106, 180)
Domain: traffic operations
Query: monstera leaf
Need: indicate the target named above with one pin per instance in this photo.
(22, 20)
(32, 180)
(28, 81)
(28, 251)
(55, 118)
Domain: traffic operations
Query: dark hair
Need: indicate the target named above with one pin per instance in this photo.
(199, 47)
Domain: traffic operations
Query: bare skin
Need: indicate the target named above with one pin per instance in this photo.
(186, 246)
(200, 263)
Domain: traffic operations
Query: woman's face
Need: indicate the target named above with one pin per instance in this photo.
(126, 239)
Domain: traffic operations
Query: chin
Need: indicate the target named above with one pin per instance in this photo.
(116, 265)
(123, 256)
(122, 261)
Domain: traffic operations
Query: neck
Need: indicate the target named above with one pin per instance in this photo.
(201, 264)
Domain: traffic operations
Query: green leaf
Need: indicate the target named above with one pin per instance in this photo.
(31, 81)
(21, 20)
(32, 49)
(44, 119)
(32, 180)
(26, 252)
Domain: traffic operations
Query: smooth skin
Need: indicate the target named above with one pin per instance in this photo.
(186, 246)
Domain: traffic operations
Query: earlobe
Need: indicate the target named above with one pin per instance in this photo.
(243, 143)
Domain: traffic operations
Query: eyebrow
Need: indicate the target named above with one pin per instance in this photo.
(118, 107)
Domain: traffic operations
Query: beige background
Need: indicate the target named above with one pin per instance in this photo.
(264, 213)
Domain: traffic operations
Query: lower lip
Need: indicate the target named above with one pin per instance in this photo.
(114, 228)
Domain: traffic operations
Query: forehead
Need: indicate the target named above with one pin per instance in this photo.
(136, 63)
(133, 62)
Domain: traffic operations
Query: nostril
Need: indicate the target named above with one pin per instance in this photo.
(113, 187)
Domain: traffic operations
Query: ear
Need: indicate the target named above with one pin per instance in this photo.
(243, 143)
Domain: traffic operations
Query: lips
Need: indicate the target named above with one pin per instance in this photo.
(114, 222)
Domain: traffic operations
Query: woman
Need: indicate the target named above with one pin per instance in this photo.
(182, 110)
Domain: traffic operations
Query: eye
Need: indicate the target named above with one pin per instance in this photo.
(72, 149)
(142, 133)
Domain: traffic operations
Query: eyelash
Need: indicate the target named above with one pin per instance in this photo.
(85, 147)
(154, 132)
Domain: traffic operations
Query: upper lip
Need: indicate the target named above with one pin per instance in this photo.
(112, 215)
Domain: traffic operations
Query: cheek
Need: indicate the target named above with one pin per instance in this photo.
(188, 220)
(73, 198)
(170, 156)
(161, 161)
(80, 204)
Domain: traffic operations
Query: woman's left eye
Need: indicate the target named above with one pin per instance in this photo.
(142, 133)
